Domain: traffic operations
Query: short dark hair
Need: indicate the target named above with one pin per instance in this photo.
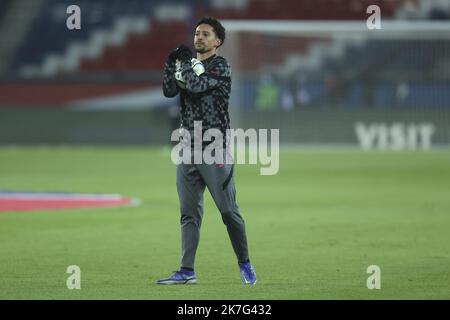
(216, 25)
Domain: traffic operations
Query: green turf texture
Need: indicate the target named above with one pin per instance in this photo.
(313, 229)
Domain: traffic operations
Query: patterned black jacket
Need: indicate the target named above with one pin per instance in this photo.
(205, 97)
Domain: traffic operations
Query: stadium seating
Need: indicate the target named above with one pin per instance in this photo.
(49, 36)
(303, 10)
(145, 52)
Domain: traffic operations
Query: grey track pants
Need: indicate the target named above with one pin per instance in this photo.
(191, 182)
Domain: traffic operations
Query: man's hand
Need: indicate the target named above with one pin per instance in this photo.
(172, 56)
(184, 53)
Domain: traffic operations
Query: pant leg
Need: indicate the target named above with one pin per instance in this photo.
(190, 187)
(220, 182)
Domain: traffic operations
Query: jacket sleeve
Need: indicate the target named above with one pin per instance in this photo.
(216, 76)
(170, 88)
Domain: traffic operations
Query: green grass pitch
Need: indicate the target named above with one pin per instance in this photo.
(313, 228)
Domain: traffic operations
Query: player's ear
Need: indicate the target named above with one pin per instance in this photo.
(218, 42)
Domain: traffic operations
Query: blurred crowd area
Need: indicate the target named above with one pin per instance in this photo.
(122, 45)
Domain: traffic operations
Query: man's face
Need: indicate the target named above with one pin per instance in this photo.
(205, 38)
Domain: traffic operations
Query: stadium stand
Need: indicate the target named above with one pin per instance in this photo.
(132, 54)
(133, 37)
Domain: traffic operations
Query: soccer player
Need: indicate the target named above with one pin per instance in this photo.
(205, 98)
